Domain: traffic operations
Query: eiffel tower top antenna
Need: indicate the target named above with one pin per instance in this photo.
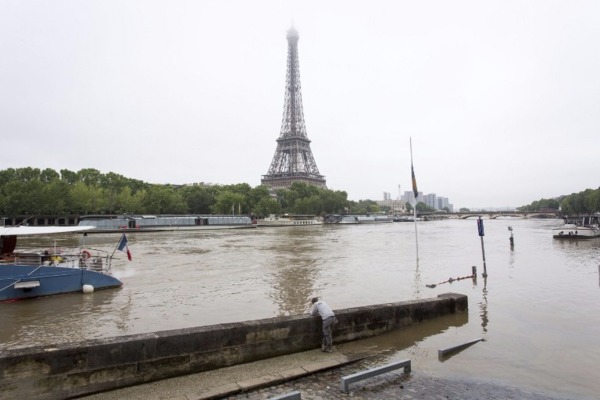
(293, 160)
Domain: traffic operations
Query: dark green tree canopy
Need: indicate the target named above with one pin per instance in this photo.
(34, 191)
(31, 191)
(586, 202)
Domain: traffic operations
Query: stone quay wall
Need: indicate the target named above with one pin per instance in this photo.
(75, 369)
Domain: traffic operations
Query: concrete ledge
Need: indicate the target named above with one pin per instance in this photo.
(295, 395)
(273, 379)
(220, 392)
(80, 368)
(359, 376)
(260, 382)
(323, 365)
(293, 373)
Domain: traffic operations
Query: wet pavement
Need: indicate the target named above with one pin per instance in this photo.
(392, 385)
(317, 376)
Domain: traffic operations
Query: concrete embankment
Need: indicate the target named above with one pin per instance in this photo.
(75, 369)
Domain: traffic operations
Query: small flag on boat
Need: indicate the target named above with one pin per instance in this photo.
(122, 246)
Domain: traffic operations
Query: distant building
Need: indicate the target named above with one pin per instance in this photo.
(431, 200)
(395, 206)
(443, 203)
(409, 197)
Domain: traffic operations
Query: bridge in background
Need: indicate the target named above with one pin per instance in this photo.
(491, 214)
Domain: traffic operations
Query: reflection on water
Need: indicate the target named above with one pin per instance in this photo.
(536, 292)
(294, 269)
(417, 284)
(483, 306)
(389, 344)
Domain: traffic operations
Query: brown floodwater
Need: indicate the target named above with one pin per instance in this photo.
(537, 310)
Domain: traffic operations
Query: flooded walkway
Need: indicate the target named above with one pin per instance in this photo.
(316, 375)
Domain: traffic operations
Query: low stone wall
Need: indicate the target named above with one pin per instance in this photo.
(75, 369)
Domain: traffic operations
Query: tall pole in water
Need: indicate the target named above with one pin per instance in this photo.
(416, 193)
(481, 234)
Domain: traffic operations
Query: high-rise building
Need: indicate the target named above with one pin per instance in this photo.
(293, 160)
(409, 197)
(431, 199)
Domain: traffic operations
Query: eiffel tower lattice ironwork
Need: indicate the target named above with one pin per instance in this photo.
(293, 160)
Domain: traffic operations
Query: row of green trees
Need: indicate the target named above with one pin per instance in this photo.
(423, 208)
(31, 191)
(585, 202)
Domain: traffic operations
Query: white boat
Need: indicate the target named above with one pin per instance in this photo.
(373, 219)
(51, 271)
(406, 218)
(341, 219)
(585, 227)
(357, 219)
(289, 220)
(158, 223)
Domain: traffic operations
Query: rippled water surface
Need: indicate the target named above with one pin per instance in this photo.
(537, 310)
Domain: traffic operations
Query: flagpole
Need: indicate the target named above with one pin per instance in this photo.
(416, 193)
(116, 247)
(416, 239)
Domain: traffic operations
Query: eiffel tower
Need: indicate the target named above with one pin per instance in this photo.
(293, 160)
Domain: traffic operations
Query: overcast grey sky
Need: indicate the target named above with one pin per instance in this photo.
(501, 99)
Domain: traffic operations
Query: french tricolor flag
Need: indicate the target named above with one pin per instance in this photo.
(122, 246)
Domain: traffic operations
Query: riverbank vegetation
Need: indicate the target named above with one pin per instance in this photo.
(585, 202)
(32, 191)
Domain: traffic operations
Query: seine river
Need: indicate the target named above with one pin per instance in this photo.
(537, 310)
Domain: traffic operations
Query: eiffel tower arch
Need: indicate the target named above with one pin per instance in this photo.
(293, 160)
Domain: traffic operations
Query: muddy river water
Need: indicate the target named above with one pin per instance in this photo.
(537, 310)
